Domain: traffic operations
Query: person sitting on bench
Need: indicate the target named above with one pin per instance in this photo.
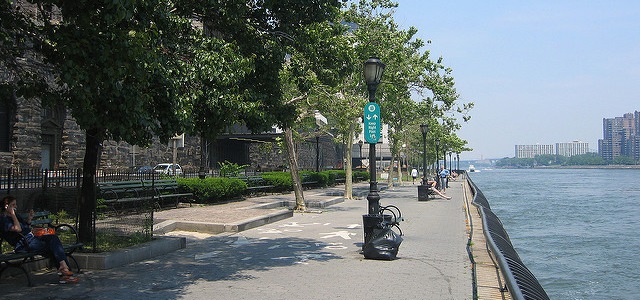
(13, 228)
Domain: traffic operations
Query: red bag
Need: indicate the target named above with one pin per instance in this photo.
(40, 231)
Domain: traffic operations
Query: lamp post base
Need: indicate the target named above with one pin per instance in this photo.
(371, 222)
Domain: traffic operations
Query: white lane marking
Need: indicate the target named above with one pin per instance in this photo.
(343, 234)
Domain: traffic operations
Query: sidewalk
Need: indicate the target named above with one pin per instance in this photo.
(307, 256)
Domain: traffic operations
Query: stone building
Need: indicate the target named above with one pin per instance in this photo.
(33, 136)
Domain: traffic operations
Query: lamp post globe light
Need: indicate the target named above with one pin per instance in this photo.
(373, 69)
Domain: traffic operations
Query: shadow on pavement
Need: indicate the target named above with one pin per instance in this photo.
(226, 258)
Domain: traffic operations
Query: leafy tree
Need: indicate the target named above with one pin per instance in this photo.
(624, 160)
(22, 71)
(272, 33)
(116, 63)
(131, 70)
(550, 160)
(309, 79)
(515, 162)
(409, 72)
(585, 160)
(212, 68)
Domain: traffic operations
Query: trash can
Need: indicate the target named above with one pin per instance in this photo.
(371, 222)
(423, 193)
(380, 241)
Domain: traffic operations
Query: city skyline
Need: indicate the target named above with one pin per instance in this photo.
(538, 72)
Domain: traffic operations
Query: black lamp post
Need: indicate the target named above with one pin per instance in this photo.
(424, 129)
(423, 189)
(458, 161)
(444, 156)
(373, 69)
(360, 145)
(437, 155)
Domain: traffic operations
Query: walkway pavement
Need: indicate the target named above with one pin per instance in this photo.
(312, 255)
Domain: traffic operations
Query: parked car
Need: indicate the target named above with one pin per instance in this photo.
(167, 168)
(142, 169)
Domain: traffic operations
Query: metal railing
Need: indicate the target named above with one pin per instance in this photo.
(12, 179)
(520, 283)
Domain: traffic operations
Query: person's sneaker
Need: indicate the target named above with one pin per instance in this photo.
(68, 279)
(65, 273)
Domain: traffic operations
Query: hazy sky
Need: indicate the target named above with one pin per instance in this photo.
(539, 72)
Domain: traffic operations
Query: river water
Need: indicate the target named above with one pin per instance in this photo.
(577, 230)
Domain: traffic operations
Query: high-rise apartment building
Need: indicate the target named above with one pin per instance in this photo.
(572, 148)
(530, 151)
(565, 149)
(620, 137)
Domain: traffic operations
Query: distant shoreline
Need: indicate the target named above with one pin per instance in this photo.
(581, 167)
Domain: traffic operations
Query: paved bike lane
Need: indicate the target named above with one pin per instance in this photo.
(309, 256)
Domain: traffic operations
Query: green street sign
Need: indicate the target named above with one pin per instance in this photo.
(371, 122)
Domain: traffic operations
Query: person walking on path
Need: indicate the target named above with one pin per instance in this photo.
(443, 175)
(414, 175)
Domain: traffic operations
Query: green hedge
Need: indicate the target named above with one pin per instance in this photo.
(360, 176)
(281, 181)
(210, 190)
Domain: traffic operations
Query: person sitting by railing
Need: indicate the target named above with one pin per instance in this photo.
(432, 187)
(453, 175)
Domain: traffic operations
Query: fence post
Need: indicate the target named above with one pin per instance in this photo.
(9, 172)
(45, 180)
(78, 193)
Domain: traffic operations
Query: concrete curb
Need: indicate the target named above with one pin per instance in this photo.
(215, 228)
(109, 260)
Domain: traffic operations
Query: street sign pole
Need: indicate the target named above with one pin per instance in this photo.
(372, 136)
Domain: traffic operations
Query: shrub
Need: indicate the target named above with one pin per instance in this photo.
(281, 181)
(228, 169)
(321, 179)
(360, 176)
(336, 176)
(210, 190)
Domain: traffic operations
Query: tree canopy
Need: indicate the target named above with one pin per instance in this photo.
(131, 70)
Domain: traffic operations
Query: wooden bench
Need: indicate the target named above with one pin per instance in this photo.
(256, 185)
(67, 234)
(119, 195)
(168, 189)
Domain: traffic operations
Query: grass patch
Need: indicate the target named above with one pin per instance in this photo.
(106, 241)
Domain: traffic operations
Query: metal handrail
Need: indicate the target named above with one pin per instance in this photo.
(519, 281)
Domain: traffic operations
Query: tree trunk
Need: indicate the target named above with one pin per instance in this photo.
(203, 157)
(293, 166)
(87, 205)
(348, 181)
